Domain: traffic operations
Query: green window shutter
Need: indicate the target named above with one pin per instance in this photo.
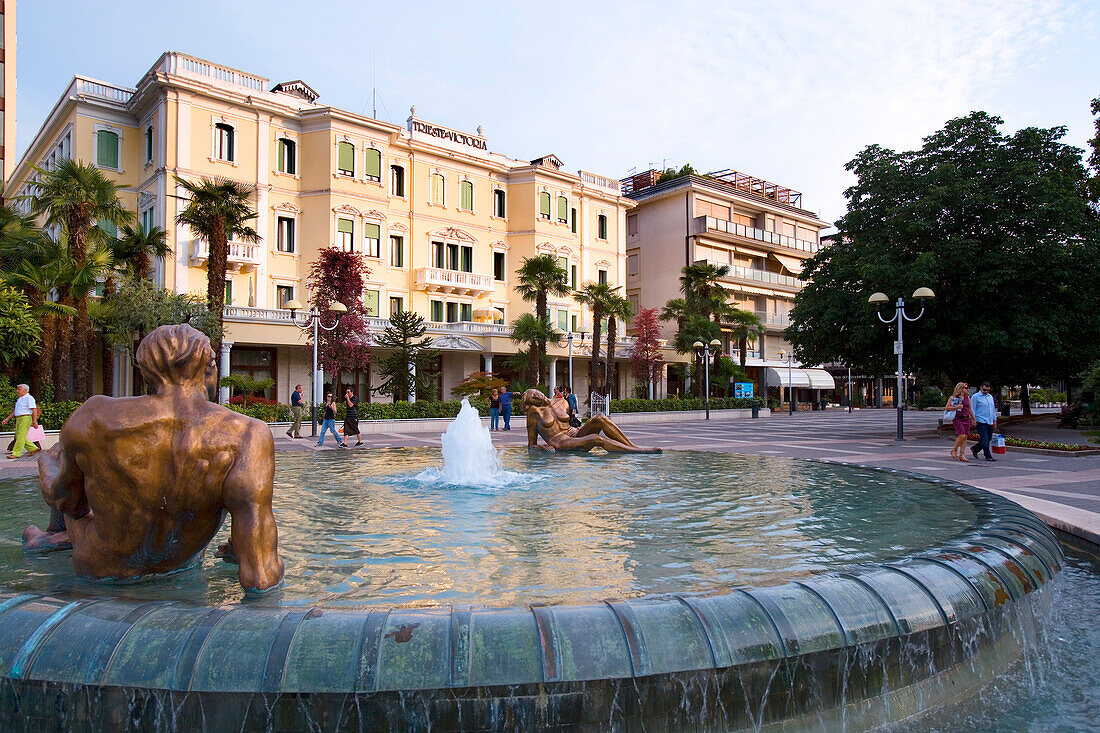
(229, 292)
(437, 311)
(346, 158)
(467, 259)
(563, 208)
(544, 205)
(372, 231)
(467, 314)
(573, 220)
(281, 146)
(467, 196)
(573, 276)
(370, 302)
(437, 189)
(345, 226)
(563, 263)
(108, 228)
(374, 163)
(563, 320)
(106, 149)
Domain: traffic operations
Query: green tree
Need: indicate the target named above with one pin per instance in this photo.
(746, 327)
(218, 210)
(596, 296)
(539, 278)
(531, 330)
(998, 226)
(409, 353)
(670, 173)
(617, 308)
(478, 383)
(1094, 158)
(74, 197)
(20, 332)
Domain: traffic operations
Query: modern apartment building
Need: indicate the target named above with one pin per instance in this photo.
(757, 228)
(442, 221)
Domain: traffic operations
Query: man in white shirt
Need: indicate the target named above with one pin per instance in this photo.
(26, 416)
(985, 413)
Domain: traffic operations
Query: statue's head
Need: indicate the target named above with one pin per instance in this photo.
(534, 398)
(177, 355)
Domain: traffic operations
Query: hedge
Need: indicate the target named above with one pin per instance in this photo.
(674, 404)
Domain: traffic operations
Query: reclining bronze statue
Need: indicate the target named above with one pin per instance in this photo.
(553, 426)
(144, 483)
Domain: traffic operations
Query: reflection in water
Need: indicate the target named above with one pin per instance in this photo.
(360, 529)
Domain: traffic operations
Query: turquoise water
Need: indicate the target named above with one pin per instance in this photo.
(359, 528)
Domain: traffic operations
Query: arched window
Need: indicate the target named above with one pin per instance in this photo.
(149, 144)
(544, 206)
(498, 203)
(223, 142)
(106, 149)
(287, 152)
(397, 180)
(372, 171)
(563, 209)
(438, 182)
(601, 227)
(466, 189)
(345, 158)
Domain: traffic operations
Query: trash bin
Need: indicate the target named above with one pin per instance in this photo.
(755, 408)
(1006, 409)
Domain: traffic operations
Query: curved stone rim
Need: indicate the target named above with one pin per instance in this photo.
(1006, 554)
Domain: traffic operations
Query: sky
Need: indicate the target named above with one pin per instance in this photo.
(785, 91)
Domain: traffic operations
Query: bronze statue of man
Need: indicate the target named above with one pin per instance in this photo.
(145, 482)
(553, 426)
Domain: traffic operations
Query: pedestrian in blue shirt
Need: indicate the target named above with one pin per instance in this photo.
(506, 407)
(295, 430)
(985, 412)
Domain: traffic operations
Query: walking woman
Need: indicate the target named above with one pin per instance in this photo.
(494, 409)
(958, 406)
(329, 422)
(351, 419)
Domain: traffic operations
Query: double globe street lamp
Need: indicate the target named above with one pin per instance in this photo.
(569, 343)
(713, 348)
(878, 299)
(313, 321)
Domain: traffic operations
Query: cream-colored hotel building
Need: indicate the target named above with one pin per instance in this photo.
(442, 221)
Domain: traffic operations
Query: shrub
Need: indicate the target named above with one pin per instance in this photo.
(54, 414)
(931, 397)
(678, 404)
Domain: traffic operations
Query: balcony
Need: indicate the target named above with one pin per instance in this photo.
(180, 64)
(243, 256)
(705, 224)
(456, 282)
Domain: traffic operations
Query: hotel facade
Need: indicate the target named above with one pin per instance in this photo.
(756, 228)
(442, 222)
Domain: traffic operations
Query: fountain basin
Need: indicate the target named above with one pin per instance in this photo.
(857, 645)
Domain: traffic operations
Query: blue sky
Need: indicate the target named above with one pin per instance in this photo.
(786, 91)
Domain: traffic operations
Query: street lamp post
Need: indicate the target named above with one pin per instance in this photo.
(712, 348)
(877, 299)
(790, 385)
(849, 389)
(569, 344)
(313, 321)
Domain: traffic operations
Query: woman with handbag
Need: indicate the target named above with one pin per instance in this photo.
(494, 410)
(957, 411)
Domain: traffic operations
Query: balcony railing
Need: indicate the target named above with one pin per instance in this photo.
(84, 87)
(705, 224)
(181, 64)
(436, 279)
(243, 256)
(595, 180)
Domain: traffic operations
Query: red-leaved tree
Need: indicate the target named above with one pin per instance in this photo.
(338, 276)
(645, 356)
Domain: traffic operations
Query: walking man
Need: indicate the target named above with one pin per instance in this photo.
(26, 414)
(295, 430)
(985, 412)
(506, 407)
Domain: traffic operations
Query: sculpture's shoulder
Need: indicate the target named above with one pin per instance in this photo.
(248, 428)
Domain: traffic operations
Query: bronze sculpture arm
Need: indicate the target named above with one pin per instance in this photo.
(253, 535)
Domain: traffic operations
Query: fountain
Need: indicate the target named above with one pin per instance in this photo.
(695, 591)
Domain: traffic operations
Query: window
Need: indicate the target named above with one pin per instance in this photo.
(438, 197)
(563, 263)
(498, 203)
(229, 292)
(397, 252)
(345, 158)
(563, 319)
(602, 276)
(437, 255)
(149, 144)
(544, 206)
(498, 266)
(466, 199)
(370, 302)
(372, 170)
(148, 220)
(223, 142)
(467, 259)
(437, 311)
(397, 180)
(286, 150)
(106, 149)
(466, 312)
(632, 264)
(631, 225)
(601, 227)
(573, 324)
(452, 256)
(283, 295)
(108, 228)
(285, 241)
(397, 305)
(345, 234)
(452, 312)
(573, 220)
(372, 240)
(573, 276)
(563, 209)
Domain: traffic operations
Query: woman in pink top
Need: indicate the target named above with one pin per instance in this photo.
(959, 404)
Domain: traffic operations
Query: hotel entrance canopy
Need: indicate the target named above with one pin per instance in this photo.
(801, 377)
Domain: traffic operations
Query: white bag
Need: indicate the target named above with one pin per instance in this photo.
(949, 415)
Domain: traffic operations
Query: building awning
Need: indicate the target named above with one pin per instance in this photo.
(792, 264)
(798, 377)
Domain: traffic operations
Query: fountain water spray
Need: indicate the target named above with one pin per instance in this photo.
(469, 457)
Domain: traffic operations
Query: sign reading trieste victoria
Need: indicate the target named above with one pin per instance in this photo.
(445, 134)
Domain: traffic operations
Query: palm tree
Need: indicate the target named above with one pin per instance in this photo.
(617, 309)
(532, 330)
(596, 296)
(675, 310)
(703, 293)
(746, 325)
(74, 196)
(219, 210)
(696, 328)
(540, 277)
